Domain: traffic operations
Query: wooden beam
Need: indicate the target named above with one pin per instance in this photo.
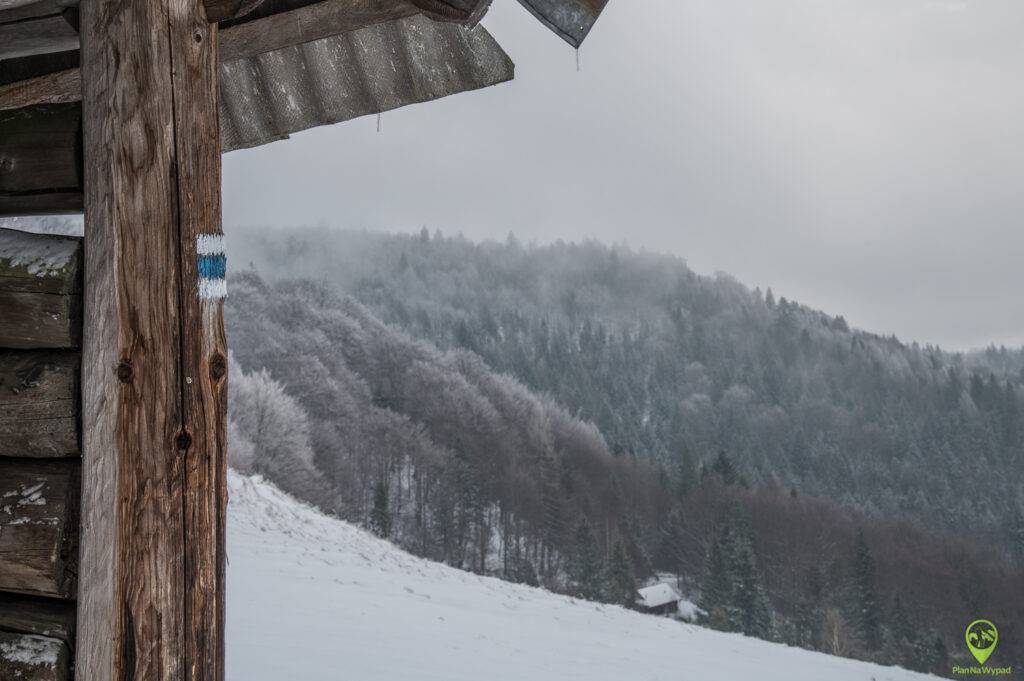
(25, 657)
(40, 296)
(47, 203)
(21, 614)
(59, 87)
(39, 320)
(251, 37)
(46, 27)
(154, 359)
(40, 263)
(33, 10)
(38, 526)
(40, 157)
(307, 24)
(39, 35)
(39, 403)
(12, 5)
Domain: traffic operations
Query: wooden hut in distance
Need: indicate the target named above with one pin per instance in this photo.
(113, 369)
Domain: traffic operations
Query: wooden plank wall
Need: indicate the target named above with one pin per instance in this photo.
(40, 453)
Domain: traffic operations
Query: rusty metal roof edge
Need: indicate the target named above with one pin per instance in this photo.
(260, 105)
(557, 30)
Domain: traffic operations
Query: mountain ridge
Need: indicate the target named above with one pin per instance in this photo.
(673, 367)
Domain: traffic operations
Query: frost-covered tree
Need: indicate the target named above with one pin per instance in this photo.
(273, 434)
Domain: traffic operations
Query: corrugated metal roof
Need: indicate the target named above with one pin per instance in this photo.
(375, 69)
(570, 19)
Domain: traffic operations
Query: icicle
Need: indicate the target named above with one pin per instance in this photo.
(378, 121)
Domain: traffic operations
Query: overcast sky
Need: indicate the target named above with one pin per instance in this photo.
(862, 156)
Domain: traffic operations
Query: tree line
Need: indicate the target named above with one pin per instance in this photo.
(435, 451)
(672, 366)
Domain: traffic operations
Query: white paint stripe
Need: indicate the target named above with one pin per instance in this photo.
(213, 289)
(210, 244)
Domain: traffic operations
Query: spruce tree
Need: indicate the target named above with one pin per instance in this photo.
(898, 646)
(716, 591)
(749, 595)
(586, 567)
(733, 594)
(380, 516)
(725, 469)
(867, 617)
(620, 584)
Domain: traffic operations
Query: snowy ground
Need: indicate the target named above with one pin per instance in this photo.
(315, 599)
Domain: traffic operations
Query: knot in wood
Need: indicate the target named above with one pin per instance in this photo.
(218, 366)
(124, 371)
(183, 441)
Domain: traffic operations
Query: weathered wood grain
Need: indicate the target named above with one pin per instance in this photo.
(38, 35)
(13, 70)
(202, 441)
(39, 320)
(40, 290)
(40, 153)
(40, 148)
(40, 263)
(6, 5)
(33, 10)
(59, 87)
(39, 403)
(152, 557)
(26, 657)
(38, 526)
(308, 23)
(50, 617)
(48, 203)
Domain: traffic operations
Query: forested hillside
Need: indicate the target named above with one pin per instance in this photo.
(436, 451)
(673, 368)
(431, 448)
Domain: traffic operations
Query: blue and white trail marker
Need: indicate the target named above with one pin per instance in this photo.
(212, 265)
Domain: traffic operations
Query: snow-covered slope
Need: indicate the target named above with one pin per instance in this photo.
(311, 598)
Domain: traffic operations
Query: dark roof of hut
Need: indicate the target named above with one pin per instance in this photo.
(271, 95)
(289, 65)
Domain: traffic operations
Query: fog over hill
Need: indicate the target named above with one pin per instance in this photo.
(577, 415)
(673, 368)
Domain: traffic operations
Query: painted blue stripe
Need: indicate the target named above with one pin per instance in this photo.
(213, 266)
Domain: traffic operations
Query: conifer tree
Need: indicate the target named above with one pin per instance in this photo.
(734, 595)
(586, 567)
(716, 592)
(898, 646)
(749, 595)
(380, 516)
(866, 612)
(725, 469)
(620, 584)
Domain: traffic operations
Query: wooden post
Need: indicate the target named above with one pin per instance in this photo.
(154, 360)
